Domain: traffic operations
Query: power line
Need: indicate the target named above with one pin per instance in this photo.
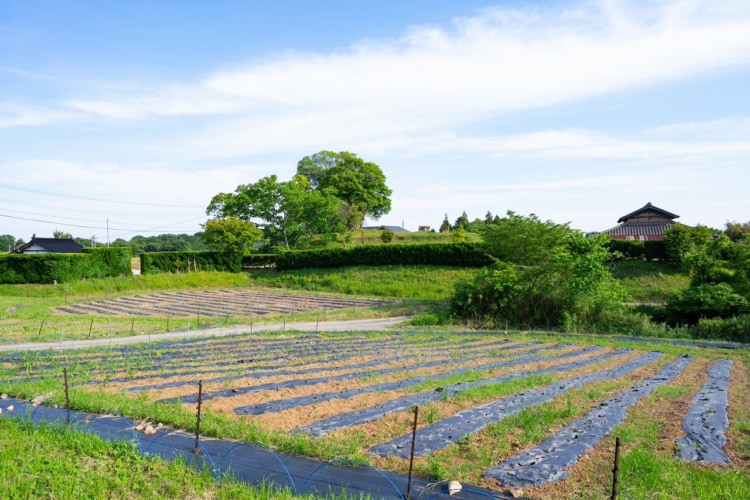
(73, 197)
(63, 224)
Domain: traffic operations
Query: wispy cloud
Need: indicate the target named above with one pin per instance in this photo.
(498, 60)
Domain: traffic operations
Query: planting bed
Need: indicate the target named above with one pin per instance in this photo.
(359, 389)
(216, 304)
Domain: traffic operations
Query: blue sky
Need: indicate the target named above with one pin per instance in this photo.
(125, 118)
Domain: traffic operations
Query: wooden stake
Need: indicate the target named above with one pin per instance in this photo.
(616, 469)
(411, 457)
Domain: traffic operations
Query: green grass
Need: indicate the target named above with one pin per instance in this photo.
(413, 282)
(646, 474)
(54, 461)
(650, 282)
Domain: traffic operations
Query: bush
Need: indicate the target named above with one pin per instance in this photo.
(734, 329)
(387, 236)
(707, 301)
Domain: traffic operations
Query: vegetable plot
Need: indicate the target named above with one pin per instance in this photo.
(352, 395)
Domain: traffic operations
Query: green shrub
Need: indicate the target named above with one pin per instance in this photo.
(64, 267)
(432, 254)
(182, 262)
(707, 301)
(734, 329)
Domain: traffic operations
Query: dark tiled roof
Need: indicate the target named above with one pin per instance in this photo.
(54, 245)
(648, 206)
(628, 230)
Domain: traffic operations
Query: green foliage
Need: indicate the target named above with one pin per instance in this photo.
(162, 243)
(62, 267)
(461, 221)
(525, 240)
(413, 282)
(738, 232)
(707, 301)
(734, 329)
(231, 235)
(183, 262)
(359, 184)
(387, 235)
(445, 226)
(459, 235)
(552, 276)
(7, 242)
(631, 249)
(456, 254)
(289, 211)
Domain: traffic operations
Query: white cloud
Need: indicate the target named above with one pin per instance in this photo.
(497, 61)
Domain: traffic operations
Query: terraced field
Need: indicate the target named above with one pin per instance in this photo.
(215, 304)
(514, 415)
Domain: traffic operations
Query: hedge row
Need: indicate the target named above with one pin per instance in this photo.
(102, 262)
(631, 249)
(183, 262)
(258, 260)
(425, 254)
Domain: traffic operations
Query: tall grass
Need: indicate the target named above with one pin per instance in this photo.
(649, 282)
(414, 282)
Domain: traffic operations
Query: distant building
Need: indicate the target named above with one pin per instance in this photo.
(648, 223)
(48, 245)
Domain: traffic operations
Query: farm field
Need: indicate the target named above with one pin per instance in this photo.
(490, 405)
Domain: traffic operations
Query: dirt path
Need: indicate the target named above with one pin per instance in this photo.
(311, 326)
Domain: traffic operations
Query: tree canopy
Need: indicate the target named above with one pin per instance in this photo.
(231, 234)
(286, 211)
(359, 184)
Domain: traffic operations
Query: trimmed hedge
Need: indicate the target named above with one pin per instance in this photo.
(256, 260)
(426, 254)
(16, 269)
(183, 262)
(631, 249)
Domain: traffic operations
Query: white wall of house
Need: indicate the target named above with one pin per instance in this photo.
(35, 249)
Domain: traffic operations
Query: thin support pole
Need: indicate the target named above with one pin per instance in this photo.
(91, 325)
(67, 395)
(411, 455)
(616, 469)
(198, 418)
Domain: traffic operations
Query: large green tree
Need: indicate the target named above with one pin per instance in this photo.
(286, 211)
(359, 184)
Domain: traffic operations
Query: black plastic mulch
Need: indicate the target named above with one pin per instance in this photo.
(547, 461)
(407, 366)
(253, 464)
(707, 421)
(448, 431)
(357, 417)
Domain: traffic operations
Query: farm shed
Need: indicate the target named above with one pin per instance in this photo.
(648, 223)
(49, 245)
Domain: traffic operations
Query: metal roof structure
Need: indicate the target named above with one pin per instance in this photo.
(49, 245)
